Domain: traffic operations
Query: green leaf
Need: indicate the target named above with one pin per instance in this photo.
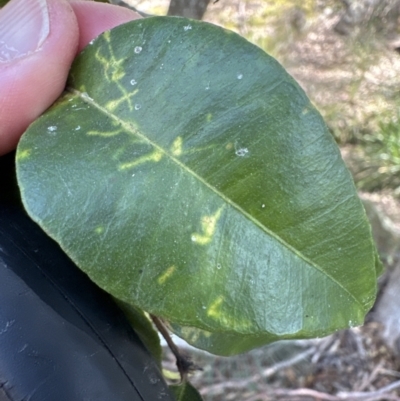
(185, 392)
(143, 328)
(189, 175)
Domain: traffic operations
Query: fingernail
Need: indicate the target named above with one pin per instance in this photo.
(24, 26)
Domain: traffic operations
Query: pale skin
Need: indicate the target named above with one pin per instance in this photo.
(30, 84)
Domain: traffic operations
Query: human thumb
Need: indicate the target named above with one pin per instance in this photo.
(38, 41)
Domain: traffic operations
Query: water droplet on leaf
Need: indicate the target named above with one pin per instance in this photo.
(241, 152)
(137, 49)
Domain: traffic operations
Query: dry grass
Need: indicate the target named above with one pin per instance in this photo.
(353, 364)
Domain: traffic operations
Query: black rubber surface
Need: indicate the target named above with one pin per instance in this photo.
(61, 337)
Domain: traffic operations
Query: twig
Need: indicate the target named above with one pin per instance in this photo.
(273, 394)
(369, 395)
(389, 372)
(183, 361)
(238, 384)
(365, 383)
(285, 364)
(306, 392)
(358, 339)
(322, 347)
(293, 394)
(319, 396)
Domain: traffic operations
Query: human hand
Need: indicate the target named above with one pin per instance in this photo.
(38, 42)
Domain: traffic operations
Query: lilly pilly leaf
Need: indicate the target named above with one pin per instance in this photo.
(188, 174)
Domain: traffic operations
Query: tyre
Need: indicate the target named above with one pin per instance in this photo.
(61, 337)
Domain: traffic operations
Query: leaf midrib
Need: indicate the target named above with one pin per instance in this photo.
(128, 127)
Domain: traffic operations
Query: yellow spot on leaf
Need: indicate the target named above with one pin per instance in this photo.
(156, 156)
(193, 334)
(236, 323)
(208, 226)
(176, 148)
(105, 134)
(107, 36)
(214, 309)
(117, 74)
(99, 230)
(113, 72)
(166, 275)
(113, 104)
(209, 117)
(24, 154)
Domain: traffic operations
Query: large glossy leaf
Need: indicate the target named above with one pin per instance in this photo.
(188, 174)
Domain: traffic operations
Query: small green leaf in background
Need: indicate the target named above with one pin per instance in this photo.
(189, 175)
(185, 392)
